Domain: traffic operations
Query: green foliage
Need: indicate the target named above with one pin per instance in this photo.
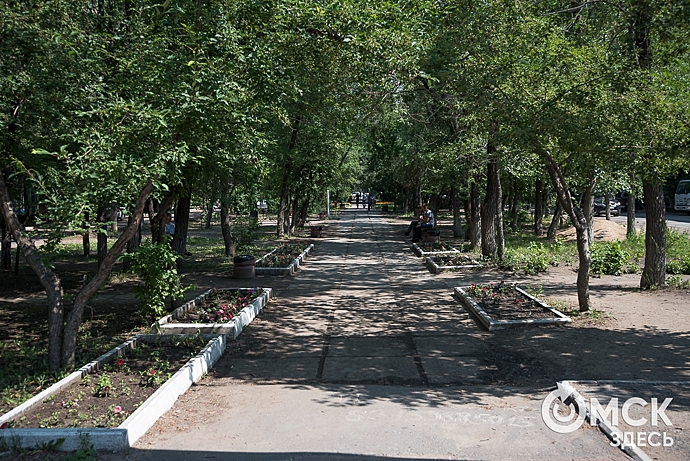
(154, 263)
(608, 258)
(244, 228)
(675, 281)
(535, 258)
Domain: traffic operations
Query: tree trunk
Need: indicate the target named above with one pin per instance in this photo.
(608, 207)
(490, 208)
(406, 203)
(500, 236)
(157, 222)
(476, 215)
(630, 218)
(113, 219)
(654, 272)
(226, 227)
(515, 206)
(284, 202)
(134, 242)
(179, 241)
(86, 242)
(588, 210)
(578, 220)
(6, 256)
(71, 330)
(303, 213)
(293, 221)
(538, 208)
(555, 221)
(455, 200)
(209, 215)
(101, 238)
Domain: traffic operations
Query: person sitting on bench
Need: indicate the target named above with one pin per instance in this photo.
(427, 222)
(413, 224)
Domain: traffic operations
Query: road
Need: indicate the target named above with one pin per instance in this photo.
(674, 219)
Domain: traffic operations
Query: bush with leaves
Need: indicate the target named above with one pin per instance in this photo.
(244, 228)
(533, 259)
(155, 264)
(608, 258)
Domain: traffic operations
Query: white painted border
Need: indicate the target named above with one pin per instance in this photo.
(492, 324)
(233, 328)
(290, 270)
(436, 269)
(125, 435)
(419, 252)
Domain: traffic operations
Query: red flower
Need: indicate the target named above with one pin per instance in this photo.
(517, 301)
(484, 289)
(152, 372)
(120, 362)
(117, 409)
(3, 426)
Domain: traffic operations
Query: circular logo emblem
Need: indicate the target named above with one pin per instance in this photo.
(557, 422)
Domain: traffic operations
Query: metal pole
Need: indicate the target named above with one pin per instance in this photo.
(328, 203)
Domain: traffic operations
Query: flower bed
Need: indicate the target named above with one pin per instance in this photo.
(115, 399)
(430, 249)
(450, 262)
(284, 260)
(220, 311)
(501, 305)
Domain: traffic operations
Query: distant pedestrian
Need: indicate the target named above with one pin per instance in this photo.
(370, 202)
(357, 199)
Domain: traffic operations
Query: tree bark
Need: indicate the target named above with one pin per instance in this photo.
(209, 215)
(134, 242)
(157, 221)
(6, 256)
(515, 206)
(101, 237)
(588, 210)
(71, 330)
(491, 209)
(555, 221)
(630, 216)
(476, 215)
(579, 221)
(538, 209)
(457, 221)
(303, 213)
(654, 272)
(608, 207)
(226, 227)
(179, 241)
(86, 236)
(284, 206)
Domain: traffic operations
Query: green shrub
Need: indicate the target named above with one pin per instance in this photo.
(155, 264)
(608, 258)
(533, 259)
(244, 228)
(678, 266)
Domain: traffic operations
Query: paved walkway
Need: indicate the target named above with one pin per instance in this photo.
(362, 355)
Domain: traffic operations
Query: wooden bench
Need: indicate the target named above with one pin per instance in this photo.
(431, 235)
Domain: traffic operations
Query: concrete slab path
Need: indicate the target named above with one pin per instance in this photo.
(362, 355)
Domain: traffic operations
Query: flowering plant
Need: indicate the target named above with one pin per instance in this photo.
(222, 305)
(495, 293)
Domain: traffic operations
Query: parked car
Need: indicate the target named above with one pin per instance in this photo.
(623, 199)
(600, 207)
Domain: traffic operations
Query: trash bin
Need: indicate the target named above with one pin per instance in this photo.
(244, 267)
(316, 231)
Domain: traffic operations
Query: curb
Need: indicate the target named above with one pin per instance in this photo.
(611, 432)
(436, 269)
(127, 433)
(491, 324)
(232, 329)
(419, 252)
